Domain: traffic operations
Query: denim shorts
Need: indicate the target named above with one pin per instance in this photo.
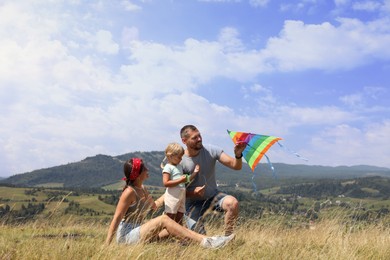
(196, 209)
(128, 233)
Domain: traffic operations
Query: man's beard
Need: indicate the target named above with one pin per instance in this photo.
(198, 146)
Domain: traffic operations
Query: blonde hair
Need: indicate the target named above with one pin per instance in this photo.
(174, 149)
(171, 150)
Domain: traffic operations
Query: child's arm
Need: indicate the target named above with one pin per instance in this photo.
(172, 183)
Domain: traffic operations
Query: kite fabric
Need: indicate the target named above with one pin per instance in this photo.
(257, 146)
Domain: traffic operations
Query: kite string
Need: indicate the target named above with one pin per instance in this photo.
(292, 152)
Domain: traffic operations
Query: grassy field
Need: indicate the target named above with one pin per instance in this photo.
(268, 238)
(55, 235)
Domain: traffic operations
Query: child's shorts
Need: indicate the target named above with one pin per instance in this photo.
(174, 200)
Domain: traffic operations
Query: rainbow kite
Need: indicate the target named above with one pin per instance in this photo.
(257, 146)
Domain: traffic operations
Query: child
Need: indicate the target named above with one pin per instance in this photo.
(174, 180)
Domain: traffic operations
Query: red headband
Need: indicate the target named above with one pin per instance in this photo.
(135, 171)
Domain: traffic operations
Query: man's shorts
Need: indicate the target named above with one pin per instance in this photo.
(128, 233)
(196, 209)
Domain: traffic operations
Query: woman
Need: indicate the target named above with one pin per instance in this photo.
(135, 202)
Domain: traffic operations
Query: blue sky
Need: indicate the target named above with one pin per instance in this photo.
(80, 78)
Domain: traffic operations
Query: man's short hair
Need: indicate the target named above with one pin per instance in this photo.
(184, 130)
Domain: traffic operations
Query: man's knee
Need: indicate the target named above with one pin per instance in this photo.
(230, 203)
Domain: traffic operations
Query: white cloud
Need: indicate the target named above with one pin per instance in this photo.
(328, 115)
(228, 38)
(386, 6)
(197, 61)
(130, 6)
(324, 46)
(260, 96)
(258, 3)
(369, 6)
(221, 1)
(343, 6)
(361, 99)
(352, 100)
(291, 7)
(129, 35)
(259, 88)
(375, 92)
(308, 6)
(341, 2)
(344, 143)
(62, 100)
(104, 42)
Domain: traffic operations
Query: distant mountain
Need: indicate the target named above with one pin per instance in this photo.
(102, 170)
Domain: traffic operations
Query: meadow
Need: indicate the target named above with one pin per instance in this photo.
(55, 235)
(268, 238)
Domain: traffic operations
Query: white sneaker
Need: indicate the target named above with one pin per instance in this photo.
(216, 242)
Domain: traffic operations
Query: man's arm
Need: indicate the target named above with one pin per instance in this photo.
(236, 162)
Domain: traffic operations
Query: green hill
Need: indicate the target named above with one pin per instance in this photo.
(103, 170)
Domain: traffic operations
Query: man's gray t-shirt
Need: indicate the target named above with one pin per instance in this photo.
(206, 159)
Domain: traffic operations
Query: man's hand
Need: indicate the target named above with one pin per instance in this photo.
(239, 148)
(199, 191)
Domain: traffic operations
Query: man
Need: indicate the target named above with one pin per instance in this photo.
(202, 193)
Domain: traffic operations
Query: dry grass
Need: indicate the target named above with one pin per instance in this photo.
(267, 238)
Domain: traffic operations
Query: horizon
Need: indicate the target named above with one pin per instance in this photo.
(105, 77)
(263, 163)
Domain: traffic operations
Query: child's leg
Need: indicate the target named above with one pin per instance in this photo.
(170, 203)
(179, 217)
(181, 207)
(171, 215)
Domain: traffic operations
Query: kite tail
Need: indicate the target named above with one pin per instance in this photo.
(292, 152)
(254, 184)
(271, 166)
(273, 173)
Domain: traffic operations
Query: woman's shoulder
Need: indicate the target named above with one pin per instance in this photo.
(129, 192)
(128, 197)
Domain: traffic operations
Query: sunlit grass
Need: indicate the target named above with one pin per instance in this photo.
(12, 193)
(268, 238)
(51, 185)
(56, 235)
